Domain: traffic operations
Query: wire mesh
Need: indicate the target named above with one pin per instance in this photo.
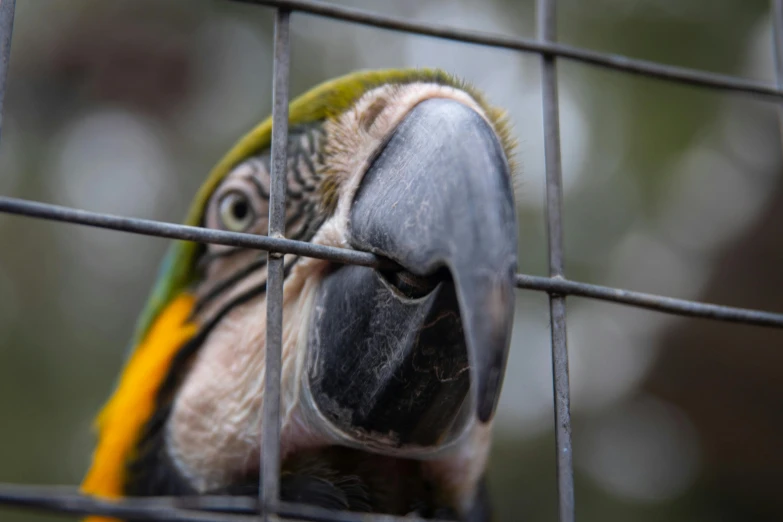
(267, 504)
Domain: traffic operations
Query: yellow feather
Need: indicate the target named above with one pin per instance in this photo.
(133, 402)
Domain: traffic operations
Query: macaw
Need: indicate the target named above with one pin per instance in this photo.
(390, 377)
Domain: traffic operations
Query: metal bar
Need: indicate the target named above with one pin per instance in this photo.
(547, 30)
(777, 34)
(609, 61)
(66, 499)
(657, 303)
(561, 286)
(7, 8)
(149, 227)
(777, 51)
(269, 480)
(317, 514)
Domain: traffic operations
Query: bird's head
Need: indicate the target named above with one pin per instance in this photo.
(405, 360)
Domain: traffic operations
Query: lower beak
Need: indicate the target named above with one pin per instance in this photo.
(409, 358)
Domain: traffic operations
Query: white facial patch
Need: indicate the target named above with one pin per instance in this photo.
(358, 135)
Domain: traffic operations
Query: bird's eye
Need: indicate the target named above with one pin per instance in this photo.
(236, 212)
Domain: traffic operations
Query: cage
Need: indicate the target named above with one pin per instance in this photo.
(556, 285)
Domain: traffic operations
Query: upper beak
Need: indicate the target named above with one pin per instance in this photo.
(394, 355)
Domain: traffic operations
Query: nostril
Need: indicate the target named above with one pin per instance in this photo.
(412, 286)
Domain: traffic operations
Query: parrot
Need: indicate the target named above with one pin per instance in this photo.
(390, 376)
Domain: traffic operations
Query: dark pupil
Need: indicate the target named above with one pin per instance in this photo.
(239, 209)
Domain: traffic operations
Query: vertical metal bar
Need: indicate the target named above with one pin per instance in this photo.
(777, 52)
(7, 8)
(547, 24)
(269, 480)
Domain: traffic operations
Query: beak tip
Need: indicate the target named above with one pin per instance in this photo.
(486, 408)
(489, 390)
(496, 318)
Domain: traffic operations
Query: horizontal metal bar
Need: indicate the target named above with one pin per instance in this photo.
(67, 499)
(552, 285)
(62, 499)
(149, 227)
(606, 60)
(669, 305)
(291, 510)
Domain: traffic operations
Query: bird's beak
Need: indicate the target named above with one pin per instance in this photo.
(408, 358)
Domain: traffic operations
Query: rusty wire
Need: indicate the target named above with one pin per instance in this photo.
(267, 504)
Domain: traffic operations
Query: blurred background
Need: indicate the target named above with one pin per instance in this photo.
(124, 106)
